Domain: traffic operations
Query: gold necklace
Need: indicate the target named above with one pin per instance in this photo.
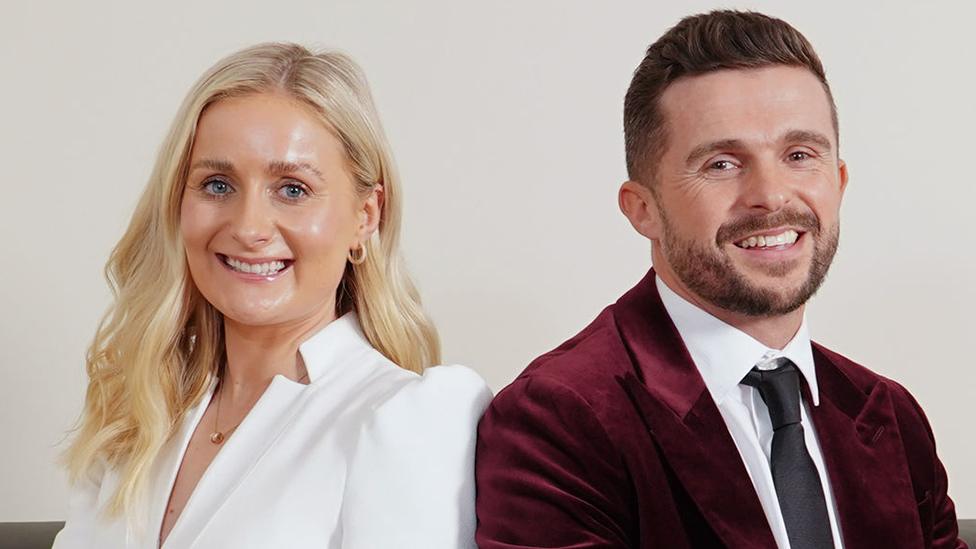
(217, 436)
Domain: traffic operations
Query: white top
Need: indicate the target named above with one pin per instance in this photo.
(724, 355)
(366, 456)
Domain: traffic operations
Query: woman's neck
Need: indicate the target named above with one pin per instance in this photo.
(255, 354)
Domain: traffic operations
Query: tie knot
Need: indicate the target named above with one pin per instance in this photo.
(779, 389)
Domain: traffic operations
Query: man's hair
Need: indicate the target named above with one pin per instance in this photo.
(700, 44)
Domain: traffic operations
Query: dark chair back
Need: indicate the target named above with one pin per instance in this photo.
(28, 535)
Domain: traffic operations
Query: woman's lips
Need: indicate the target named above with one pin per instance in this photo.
(259, 269)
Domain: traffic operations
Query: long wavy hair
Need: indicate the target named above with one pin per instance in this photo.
(159, 346)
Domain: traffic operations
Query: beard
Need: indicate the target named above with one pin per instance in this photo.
(711, 274)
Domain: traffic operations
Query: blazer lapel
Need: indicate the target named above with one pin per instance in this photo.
(865, 459)
(253, 437)
(330, 357)
(168, 464)
(670, 395)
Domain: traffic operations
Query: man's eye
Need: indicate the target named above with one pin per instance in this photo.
(721, 165)
(216, 187)
(292, 191)
(799, 155)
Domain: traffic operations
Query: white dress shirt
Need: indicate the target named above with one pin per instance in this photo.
(366, 456)
(724, 355)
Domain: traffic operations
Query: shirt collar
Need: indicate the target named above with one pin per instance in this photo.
(724, 354)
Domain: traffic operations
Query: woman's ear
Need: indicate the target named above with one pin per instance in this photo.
(371, 213)
(639, 204)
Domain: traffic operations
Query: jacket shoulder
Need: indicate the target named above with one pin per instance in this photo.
(588, 363)
(576, 384)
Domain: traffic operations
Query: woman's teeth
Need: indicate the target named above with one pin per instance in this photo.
(786, 237)
(265, 269)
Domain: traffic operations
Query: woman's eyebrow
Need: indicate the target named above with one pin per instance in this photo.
(275, 167)
(215, 164)
(284, 167)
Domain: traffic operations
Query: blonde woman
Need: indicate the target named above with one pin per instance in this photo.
(260, 381)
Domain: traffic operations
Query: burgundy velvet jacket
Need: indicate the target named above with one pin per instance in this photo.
(612, 440)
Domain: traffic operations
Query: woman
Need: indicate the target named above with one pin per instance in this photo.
(260, 380)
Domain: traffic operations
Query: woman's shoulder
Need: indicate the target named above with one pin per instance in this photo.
(438, 409)
(412, 475)
(341, 354)
(411, 481)
(441, 394)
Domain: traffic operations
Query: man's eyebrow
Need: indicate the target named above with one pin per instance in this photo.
(792, 136)
(712, 146)
(284, 167)
(807, 136)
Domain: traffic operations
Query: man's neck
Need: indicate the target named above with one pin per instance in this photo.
(773, 331)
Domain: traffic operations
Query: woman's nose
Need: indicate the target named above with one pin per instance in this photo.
(252, 224)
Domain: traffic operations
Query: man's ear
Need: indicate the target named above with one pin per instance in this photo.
(639, 204)
(842, 172)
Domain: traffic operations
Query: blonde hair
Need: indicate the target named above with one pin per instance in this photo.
(159, 346)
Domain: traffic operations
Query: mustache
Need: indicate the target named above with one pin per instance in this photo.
(737, 229)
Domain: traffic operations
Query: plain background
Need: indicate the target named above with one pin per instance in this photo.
(505, 118)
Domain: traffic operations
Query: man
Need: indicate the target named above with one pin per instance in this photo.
(695, 411)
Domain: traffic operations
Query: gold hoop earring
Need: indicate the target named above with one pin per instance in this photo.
(360, 258)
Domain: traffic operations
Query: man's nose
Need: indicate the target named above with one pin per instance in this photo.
(765, 187)
(252, 222)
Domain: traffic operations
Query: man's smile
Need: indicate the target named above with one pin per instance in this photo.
(780, 240)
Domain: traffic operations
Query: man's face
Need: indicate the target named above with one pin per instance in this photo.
(748, 190)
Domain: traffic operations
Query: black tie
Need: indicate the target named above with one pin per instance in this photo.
(798, 488)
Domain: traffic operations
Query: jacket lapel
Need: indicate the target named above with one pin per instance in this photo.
(330, 357)
(166, 467)
(251, 440)
(670, 395)
(865, 459)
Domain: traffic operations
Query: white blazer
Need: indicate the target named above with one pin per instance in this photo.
(366, 456)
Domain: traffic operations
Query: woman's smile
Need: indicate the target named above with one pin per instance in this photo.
(258, 269)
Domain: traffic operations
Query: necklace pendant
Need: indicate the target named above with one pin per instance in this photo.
(216, 437)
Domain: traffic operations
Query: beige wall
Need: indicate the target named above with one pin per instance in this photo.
(505, 118)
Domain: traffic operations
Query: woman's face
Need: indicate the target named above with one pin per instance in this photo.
(270, 211)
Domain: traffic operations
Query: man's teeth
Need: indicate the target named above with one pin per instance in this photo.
(270, 268)
(786, 237)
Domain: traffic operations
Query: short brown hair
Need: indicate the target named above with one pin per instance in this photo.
(700, 44)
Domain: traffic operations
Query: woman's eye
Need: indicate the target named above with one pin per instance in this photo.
(216, 187)
(292, 191)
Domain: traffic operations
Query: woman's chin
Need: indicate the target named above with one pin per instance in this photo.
(254, 315)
